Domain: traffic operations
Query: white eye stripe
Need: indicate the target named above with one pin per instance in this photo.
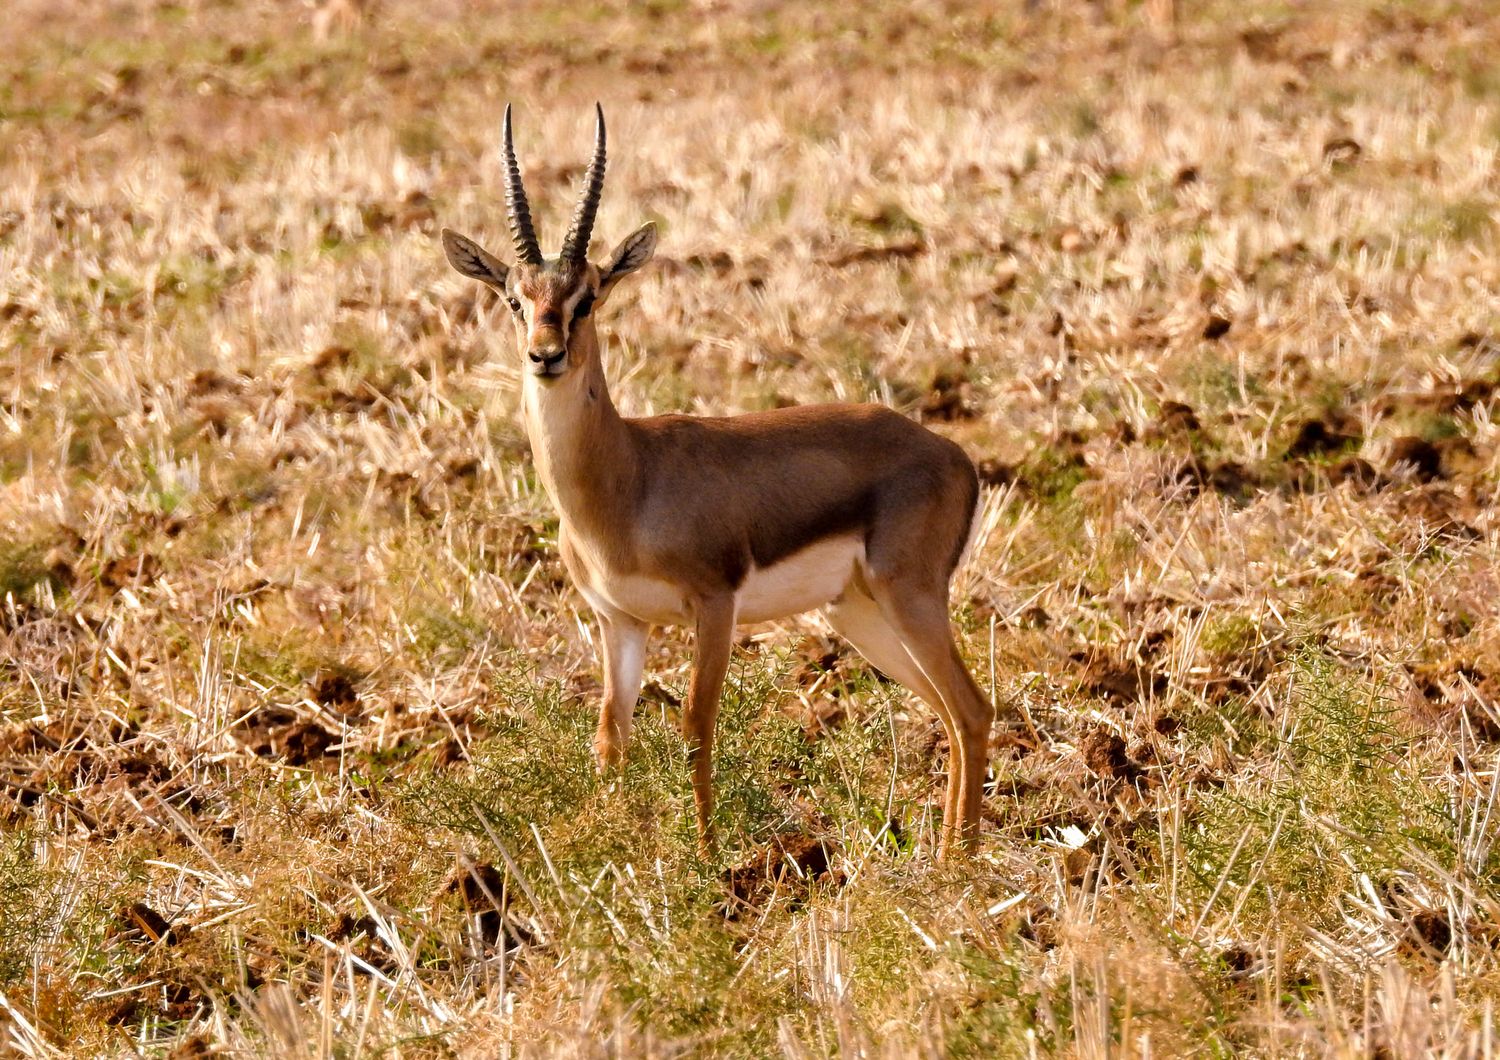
(567, 314)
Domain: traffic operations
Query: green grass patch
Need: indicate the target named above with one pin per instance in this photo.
(612, 862)
(1339, 798)
(30, 898)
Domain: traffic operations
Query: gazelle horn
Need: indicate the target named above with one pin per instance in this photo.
(576, 243)
(522, 233)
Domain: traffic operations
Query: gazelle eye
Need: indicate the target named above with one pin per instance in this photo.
(515, 305)
(584, 307)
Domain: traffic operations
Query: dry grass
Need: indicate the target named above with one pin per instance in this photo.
(296, 699)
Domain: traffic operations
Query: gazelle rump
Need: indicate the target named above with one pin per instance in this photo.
(709, 521)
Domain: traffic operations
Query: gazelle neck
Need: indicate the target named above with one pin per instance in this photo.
(583, 450)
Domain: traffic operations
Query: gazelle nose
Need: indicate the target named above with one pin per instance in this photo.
(546, 357)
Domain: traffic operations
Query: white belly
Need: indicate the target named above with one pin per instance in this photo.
(657, 602)
(801, 582)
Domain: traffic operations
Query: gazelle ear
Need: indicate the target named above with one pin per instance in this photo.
(471, 259)
(633, 252)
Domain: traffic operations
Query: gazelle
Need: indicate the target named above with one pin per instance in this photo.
(711, 522)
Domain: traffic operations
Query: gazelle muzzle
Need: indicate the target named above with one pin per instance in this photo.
(547, 350)
(547, 361)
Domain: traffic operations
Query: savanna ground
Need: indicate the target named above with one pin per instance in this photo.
(296, 699)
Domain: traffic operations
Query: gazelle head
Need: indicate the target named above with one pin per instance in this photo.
(552, 299)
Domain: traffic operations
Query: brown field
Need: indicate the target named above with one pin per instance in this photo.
(295, 698)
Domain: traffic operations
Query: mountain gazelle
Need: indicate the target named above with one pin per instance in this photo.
(711, 522)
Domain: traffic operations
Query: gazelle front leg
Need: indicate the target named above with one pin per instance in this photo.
(713, 641)
(624, 656)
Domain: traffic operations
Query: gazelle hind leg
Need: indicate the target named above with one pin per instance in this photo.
(713, 641)
(919, 614)
(857, 618)
(981, 723)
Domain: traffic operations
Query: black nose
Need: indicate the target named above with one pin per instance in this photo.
(546, 358)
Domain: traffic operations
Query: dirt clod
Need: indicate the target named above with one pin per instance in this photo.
(1237, 959)
(1429, 932)
(1032, 617)
(479, 885)
(482, 889)
(1119, 682)
(787, 864)
(1233, 480)
(1217, 327)
(346, 926)
(1458, 692)
(1315, 437)
(994, 472)
(1104, 752)
(1422, 458)
(949, 398)
(195, 1048)
(138, 922)
(1341, 151)
(897, 249)
(335, 690)
(1356, 471)
(1175, 417)
(301, 742)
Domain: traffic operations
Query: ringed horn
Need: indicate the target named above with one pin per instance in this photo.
(521, 231)
(575, 246)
